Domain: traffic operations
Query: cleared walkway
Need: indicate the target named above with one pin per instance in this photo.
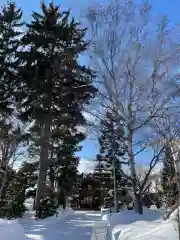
(77, 226)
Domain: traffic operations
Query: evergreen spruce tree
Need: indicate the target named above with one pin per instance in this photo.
(55, 85)
(17, 183)
(112, 149)
(104, 176)
(169, 184)
(64, 163)
(10, 34)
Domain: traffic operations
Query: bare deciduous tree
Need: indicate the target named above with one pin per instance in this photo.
(136, 62)
(12, 140)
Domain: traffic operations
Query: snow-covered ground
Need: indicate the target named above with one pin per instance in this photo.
(70, 225)
(11, 230)
(74, 226)
(127, 225)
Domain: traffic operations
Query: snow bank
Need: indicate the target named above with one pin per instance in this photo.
(62, 214)
(129, 216)
(174, 215)
(129, 225)
(29, 217)
(11, 230)
(144, 230)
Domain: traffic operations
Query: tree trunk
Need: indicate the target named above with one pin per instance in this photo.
(3, 182)
(40, 186)
(44, 157)
(51, 177)
(102, 193)
(62, 197)
(138, 204)
(65, 197)
(137, 196)
(116, 204)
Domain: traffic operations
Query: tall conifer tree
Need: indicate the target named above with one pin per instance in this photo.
(55, 86)
(112, 149)
(10, 33)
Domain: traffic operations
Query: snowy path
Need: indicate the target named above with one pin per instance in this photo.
(77, 226)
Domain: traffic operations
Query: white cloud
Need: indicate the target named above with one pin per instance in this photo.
(86, 165)
(81, 129)
(90, 117)
(158, 168)
(141, 169)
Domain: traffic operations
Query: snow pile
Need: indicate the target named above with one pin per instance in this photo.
(11, 230)
(125, 217)
(143, 230)
(29, 217)
(129, 225)
(175, 214)
(30, 214)
(62, 214)
(105, 213)
(29, 204)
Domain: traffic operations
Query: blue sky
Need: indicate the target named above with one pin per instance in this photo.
(170, 8)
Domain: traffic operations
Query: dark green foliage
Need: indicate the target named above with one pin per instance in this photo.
(63, 162)
(11, 184)
(104, 177)
(27, 176)
(10, 24)
(168, 179)
(112, 149)
(42, 81)
(66, 163)
(66, 177)
(66, 173)
(12, 209)
(48, 207)
(28, 173)
(55, 86)
(11, 137)
(12, 203)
